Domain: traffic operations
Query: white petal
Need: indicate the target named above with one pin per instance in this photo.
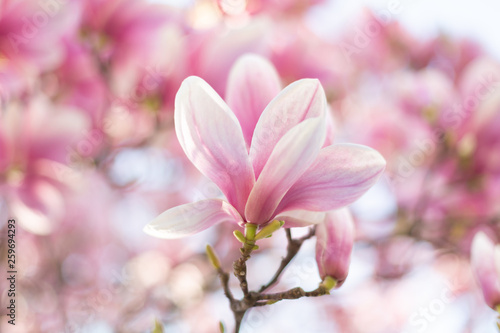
(189, 219)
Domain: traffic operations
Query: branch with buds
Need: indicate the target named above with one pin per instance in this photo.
(252, 299)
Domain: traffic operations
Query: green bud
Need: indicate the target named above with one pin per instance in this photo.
(269, 229)
(329, 283)
(272, 301)
(255, 247)
(250, 230)
(222, 329)
(212, 256)
(239, 236)
(158, 327)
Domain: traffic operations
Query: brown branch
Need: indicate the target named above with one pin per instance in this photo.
(240, 267)
(237, 307)
(256, 299)
(224, 280)
(294, 293)
(292, 249)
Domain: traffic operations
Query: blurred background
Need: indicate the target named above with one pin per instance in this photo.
(88, 155)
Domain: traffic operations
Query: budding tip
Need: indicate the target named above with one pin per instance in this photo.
(269, 229)
(212, 256)
(239, 236)
(158, 328)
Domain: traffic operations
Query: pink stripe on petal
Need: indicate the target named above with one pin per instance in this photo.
(300, 100)
(253, 82)
(293, 154)
(330, 129)
(212, 139)
(189, 219)
(339, 176)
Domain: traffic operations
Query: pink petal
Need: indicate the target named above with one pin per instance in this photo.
(483, 265)
(338, 177)
(301, 218)
(334, 242)
(293, 154)
(253, 82)
(301, 100)
(212, 139)
(189, 219)
(330, 129)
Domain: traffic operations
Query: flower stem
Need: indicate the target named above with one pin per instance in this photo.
(256, 299)
(292, 249)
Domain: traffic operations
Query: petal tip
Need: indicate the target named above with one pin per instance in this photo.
(150, 230)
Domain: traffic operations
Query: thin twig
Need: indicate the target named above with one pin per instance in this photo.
(237, 307)
(256, 299)
(224, 280)
(292, 249)
(293, 293)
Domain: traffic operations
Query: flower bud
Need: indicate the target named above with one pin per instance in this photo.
(334, 241)
(485, 259)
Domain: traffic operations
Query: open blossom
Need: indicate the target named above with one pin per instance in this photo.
(335, 238)
(268, 163)
(485, 260)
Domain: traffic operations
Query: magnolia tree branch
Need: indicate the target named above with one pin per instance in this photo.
(293, 293)
(258, 298)
(224, 281)
(240, 267)
(292, 249)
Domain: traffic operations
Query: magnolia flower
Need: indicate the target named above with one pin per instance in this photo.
(269, 163)
(485, 260)
(334, 241)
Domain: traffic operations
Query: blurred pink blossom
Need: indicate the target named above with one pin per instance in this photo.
(35, 152)
(31, 40)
